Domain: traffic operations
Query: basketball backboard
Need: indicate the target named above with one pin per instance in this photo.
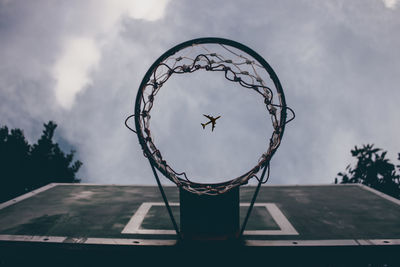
(299, 220)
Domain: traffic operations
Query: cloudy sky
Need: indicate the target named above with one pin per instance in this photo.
(80, 64)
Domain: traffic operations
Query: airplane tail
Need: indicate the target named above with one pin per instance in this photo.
(204, 125)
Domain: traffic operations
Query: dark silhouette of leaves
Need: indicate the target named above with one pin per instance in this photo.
(25, 167)
(374, 170)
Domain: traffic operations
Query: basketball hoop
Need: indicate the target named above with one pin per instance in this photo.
(238, 64)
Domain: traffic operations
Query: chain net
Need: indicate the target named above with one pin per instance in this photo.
(237, 67)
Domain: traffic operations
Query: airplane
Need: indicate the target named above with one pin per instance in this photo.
(212, 121)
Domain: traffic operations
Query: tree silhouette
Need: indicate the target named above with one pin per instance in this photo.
(374, 170)
(25, 167)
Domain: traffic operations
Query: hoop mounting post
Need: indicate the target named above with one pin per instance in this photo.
(209, 217)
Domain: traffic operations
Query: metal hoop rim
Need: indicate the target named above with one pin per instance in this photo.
(208, 40)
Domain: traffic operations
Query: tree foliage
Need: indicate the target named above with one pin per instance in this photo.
(374, 170)
(25, 167)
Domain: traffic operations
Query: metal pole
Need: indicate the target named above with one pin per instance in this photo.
(165, 201)
(252, 202)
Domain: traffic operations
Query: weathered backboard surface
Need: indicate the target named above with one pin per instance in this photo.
(305, 221)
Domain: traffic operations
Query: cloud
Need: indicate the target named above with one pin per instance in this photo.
(81, 53)
(72, 70)
(392, 4)
(149, 10)
(338, 62)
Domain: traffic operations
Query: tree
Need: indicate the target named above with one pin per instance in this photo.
(14, 161)
(25, 167)
(374, 170)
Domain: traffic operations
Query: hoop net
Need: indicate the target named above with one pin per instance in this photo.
(238, 64)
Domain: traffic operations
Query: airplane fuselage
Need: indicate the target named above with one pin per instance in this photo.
(212, 120)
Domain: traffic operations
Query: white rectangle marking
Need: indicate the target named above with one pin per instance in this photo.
(133, 226)
(286, 228)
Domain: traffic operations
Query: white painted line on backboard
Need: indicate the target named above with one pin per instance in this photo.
(92, 184)
(133, 226)
(327, 242)
(164, 242)
(384, 242)
(27, 195)
(286, 228)
(136, 221)
(392, 199)
(33, 238)
(89, 241)
(125, 241)
(295, 185)
(301, 243)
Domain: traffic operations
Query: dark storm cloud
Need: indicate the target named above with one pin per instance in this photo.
(338, 62)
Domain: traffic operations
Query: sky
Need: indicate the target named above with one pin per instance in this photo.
(80, 63)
